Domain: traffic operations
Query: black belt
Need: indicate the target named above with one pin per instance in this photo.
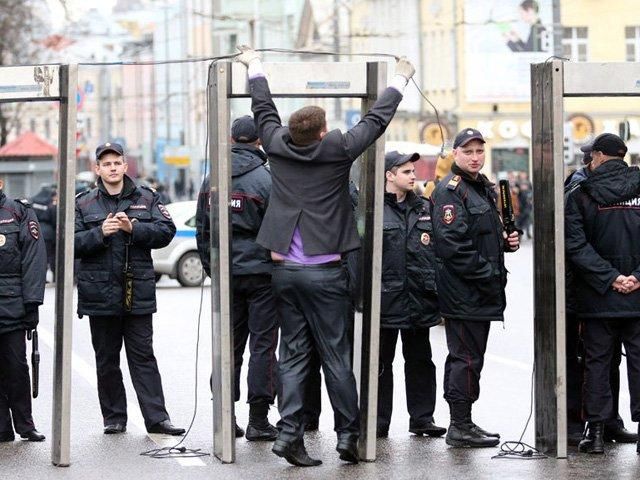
(289, 263)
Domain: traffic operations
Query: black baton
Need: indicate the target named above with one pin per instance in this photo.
(35, 361)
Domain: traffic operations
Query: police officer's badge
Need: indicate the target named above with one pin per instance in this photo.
(164, 211)
(3, 240)
(425, 238)
(34, 230)
(449, 214)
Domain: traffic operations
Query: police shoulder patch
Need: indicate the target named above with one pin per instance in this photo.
(163, 210)
(84, 192)
(448, 214)
(34, 229)
(24, 202)
(147, 187)
(453, 182)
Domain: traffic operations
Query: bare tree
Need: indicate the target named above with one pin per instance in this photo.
(21, 26)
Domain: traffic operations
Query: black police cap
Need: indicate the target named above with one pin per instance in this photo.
(109, 147)
(466, 135)
(395, 158)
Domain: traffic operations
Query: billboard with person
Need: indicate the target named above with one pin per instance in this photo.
(502, 38)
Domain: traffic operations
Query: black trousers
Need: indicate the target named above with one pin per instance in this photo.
(254, 318)
(575, 377)
(467, 343)
(419, 374)
(107, 336)
(601, 336)
(312, 303)
(15, 384)
(313, 390)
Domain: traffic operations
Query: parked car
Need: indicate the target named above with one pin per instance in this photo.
(180, 259)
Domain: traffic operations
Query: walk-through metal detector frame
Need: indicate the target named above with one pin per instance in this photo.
(300, 80)
(551, 83)
(58, 83)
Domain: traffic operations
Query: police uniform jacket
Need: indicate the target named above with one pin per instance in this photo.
(570, 183)
(102, 259)
(602, 221)
(45, 210)
(251, 185)
(311, 182)
(470, 271)
(23, 265)
(409, 297)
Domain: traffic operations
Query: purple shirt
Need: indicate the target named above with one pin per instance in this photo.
(296, 253)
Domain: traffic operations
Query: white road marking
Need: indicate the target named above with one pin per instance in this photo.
(87, 372)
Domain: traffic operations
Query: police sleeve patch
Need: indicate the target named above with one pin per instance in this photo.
(163, 210)
(34, 230)
(448, 214)
(237, 203)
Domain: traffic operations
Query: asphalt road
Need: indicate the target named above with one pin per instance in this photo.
(503, 406)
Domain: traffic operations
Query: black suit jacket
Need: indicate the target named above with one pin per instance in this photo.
(311, 183)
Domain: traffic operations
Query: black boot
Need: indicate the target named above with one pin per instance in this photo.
(463, 433)
(593, 440)
(259, 427)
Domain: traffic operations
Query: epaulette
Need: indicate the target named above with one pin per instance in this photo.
(24, 202)
(453, 183)
(151, 189)
(84, 192)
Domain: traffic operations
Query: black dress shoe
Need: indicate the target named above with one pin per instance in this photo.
(165, 427)
(294, 453)
(7, 437)
(382, 433)
(114, 428)
(429, 429)
(467, 435)
(32, 436)
(348, 450)
(239, 431)
(619, 435)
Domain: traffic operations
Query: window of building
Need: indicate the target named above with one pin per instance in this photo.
(575, 43)
(32, 125)
(632, 40)
(47, 128)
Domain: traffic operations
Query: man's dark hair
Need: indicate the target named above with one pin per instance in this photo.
(530, 5)
(306, 124)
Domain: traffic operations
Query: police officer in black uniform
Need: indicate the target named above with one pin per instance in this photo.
(471, 277)
(117, 224)
(409, 300)
(254, 315)
(23, 269)
(601, 223)
(614, 428)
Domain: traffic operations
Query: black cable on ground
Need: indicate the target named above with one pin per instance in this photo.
(520, 450)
